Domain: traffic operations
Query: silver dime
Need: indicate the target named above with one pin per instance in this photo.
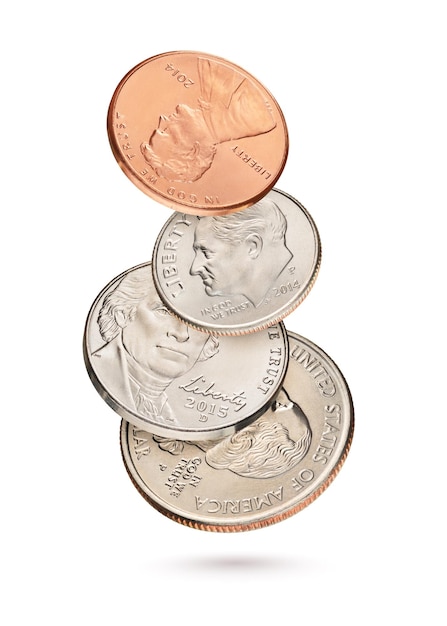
(240, 272)
(265, 472)
(166, 377)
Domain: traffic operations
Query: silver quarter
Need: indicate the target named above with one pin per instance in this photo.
(241, 272)
(170, 379)
(265, 472)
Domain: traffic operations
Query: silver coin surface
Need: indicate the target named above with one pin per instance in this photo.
(162, 375)
(263, 473)
(241, 272)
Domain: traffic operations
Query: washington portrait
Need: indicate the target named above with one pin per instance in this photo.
(275, 443)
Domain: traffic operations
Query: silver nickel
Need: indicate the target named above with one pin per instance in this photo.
(241, 272)
(170, 379)
(265, 472)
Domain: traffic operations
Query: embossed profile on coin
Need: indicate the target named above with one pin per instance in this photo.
(197, 133)
(238, 273)
(145, 346)
(241, 253)
(169, 378)
(275, 443)
(228, 107)
(264, 472)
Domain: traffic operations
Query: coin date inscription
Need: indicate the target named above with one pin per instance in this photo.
(181, 78)
(205, 409)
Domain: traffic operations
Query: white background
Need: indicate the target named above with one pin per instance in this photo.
(362, 86)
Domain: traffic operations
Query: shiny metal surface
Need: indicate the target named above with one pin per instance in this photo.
(265, 472)
(238, 273)
(197, 133)
(163, 376)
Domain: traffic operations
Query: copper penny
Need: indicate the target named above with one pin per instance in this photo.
(197, 133)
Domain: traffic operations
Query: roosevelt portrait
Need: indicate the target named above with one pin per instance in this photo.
(243, 252)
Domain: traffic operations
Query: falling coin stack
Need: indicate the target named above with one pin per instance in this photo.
(229, 422)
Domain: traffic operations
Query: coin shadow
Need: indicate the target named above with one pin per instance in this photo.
(249, 563)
